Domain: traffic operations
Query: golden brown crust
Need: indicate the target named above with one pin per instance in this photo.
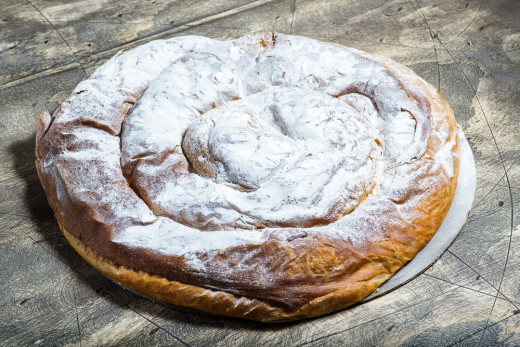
(310, 274)
(219, 302)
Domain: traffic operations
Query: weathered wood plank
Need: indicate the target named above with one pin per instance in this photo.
(469, 49)
(69, 309)
(29, 44)
(413, 327)
(69, 32)
(30, 200)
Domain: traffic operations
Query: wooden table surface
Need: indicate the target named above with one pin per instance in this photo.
(468, 49)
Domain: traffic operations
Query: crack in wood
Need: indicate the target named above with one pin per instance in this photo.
(335, 38)
(481, 276)
(41, 73)
(496, 184)
(293, 10)
(91, 22)
(504, 297)
(63, 38)
(433, 36)
(483, 330)
(77, 315)
(156, 35)
(471, 22)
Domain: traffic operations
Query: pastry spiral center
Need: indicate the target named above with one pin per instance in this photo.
(249, 136)
(246, 143)
(281, 157)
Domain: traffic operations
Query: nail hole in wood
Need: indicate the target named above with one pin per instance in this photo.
(153, 331)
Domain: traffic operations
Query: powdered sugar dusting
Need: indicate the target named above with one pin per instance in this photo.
(282, 157)
(244, 138)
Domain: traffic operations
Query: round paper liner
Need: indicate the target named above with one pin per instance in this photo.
(448, 231)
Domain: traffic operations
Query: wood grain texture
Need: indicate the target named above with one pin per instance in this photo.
(469, 50)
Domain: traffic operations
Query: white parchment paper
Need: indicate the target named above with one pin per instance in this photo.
(449, 229)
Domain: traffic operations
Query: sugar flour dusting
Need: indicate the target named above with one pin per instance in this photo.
(276, 170)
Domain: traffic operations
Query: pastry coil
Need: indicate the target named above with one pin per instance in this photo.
(272, 177)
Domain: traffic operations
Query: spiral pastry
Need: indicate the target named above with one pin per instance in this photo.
(272, 177)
